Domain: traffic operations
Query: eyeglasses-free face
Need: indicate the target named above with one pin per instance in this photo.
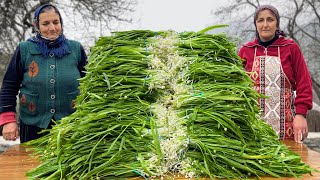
(49, 24)
(266, 24)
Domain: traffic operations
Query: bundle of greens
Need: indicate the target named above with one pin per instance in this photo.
(163, 103)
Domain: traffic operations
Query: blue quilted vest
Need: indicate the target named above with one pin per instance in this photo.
(49, 86)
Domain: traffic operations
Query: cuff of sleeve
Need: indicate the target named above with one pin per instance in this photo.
(302, 109)
(7, 117)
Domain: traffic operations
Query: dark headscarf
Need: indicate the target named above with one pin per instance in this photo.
(275, 13)
(58, 47)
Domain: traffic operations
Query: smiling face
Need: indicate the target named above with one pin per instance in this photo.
(49, 24)
(266, 24)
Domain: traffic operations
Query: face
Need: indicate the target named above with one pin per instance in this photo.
(266, 24)
(49, 24)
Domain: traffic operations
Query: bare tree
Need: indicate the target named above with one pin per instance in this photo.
(16, 16)
(300, 19)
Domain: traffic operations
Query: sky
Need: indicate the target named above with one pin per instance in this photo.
(178, 15)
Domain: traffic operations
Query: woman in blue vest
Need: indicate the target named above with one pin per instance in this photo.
(44, 70)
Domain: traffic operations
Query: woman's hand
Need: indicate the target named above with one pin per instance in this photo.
(300, 128)
(10, 131)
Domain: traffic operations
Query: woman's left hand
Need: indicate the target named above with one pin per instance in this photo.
(300, 128)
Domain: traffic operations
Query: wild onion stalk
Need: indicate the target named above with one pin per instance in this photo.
(156, 103)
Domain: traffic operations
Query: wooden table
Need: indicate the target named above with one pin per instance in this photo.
(15, 162)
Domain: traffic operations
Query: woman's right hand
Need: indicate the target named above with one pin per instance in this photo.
(10, 131)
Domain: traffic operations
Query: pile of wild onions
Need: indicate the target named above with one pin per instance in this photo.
(156, 103)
